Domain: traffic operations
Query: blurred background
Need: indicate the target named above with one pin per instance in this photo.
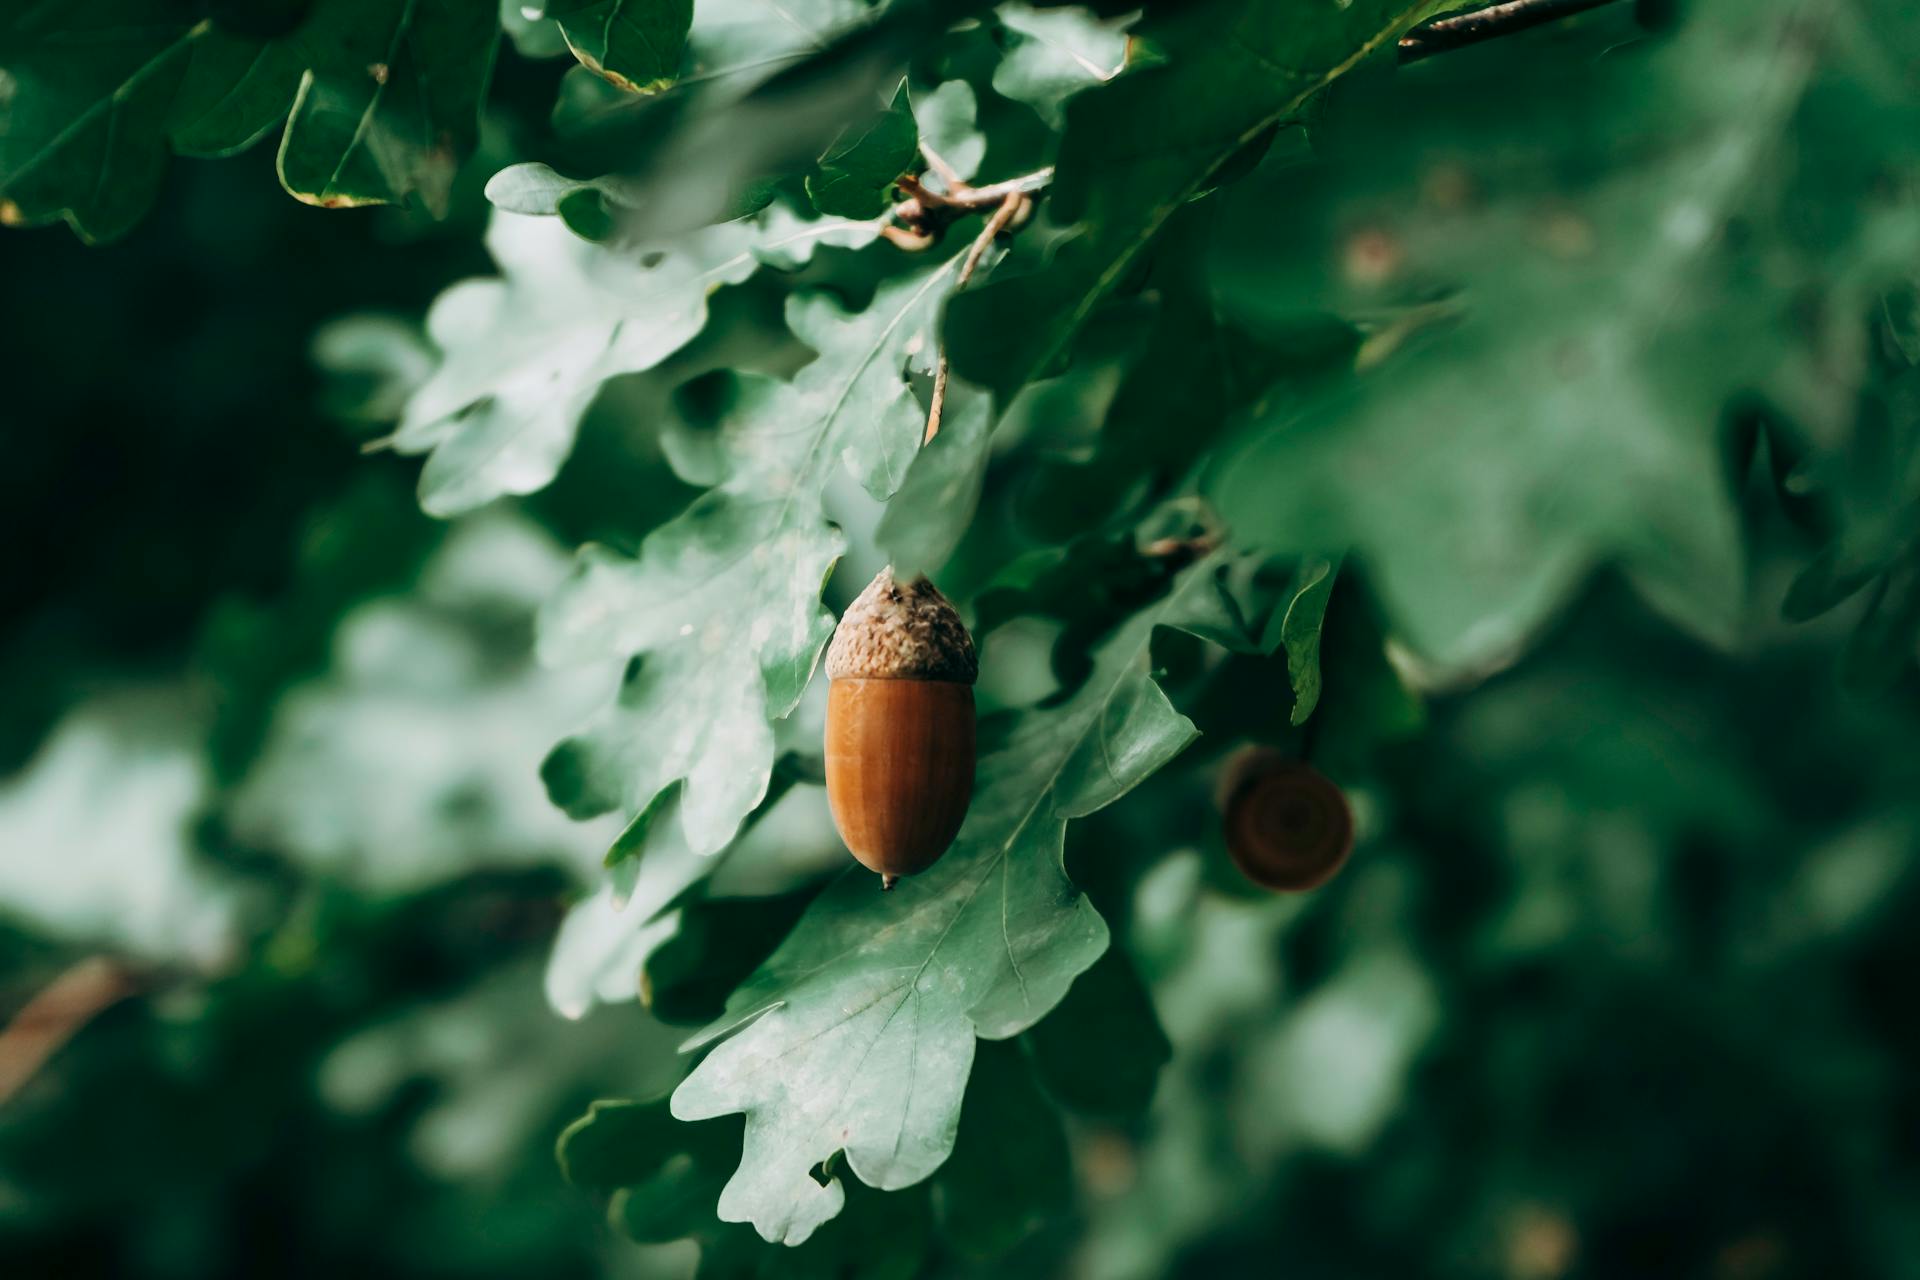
(1619, 982)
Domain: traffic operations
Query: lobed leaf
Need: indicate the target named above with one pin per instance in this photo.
(855, 176)
(858, 1034)
(524, 355)
(721, 609)
(1485, 469)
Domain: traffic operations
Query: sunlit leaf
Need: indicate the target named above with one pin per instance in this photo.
(1055, 53)
(858, 1034)
(523, 356)
(721, 610)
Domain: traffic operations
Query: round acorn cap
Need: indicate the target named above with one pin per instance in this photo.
(901, 631)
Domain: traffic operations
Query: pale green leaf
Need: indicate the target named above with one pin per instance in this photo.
(721, 610)
(524, 355)
(1055, 53)
(858, 1034)
(946, 120)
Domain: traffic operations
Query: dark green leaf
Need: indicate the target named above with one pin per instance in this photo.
(1484, 469)
(1299, 631)
(856, 174)
(718, 943)
(1101, 1051)
(617, 1143)
(1139, 148)
(1010, 1170)
(636, 44)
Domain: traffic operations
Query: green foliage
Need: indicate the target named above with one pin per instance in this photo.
(524, 356)
(1480, 512)
(899, 986)
(858, 171)
(722, 606)
(636, 44)
(1524, 436)
(1137, 151)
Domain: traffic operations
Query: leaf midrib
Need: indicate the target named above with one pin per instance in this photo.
(1161, 212)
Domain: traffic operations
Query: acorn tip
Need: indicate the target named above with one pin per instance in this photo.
(887, 882)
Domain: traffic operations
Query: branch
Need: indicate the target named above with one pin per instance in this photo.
(56, 1015)
(1011, 206)
(1461, 30)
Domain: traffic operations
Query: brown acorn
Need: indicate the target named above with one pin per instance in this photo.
(899, 726)
(1287, 826)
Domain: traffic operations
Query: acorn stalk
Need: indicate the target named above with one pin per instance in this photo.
(900, 726)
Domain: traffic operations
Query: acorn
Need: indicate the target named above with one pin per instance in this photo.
(900, 726)
(1287, 826)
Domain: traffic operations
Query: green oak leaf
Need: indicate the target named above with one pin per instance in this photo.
(1485, 469)
(618, 1143)
(947, 119)
(1101, 1051)
(856, 173)
(635, 44)
(928, 516)
(524, 355)
(592, 208)
(858, 1034)
(662, 1177)
(388, 104)
(1297, 628)
(1055, 53)
(1010, 1171)
(605, 939)
(1195, 371)
(384, 98)
(721, 610)
(741, 37)
(381, 98)
(1138, 149)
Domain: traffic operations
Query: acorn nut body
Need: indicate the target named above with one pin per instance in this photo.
(900, 726)
(1287, 826)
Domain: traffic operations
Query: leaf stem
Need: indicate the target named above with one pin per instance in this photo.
(1445, 34)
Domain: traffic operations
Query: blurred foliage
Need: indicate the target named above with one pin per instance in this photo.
(1525, 435)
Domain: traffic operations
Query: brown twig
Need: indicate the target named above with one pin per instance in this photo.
(1463, 29)
(55, 1015)
(936, 162)
(922, 213)
(1010, 205)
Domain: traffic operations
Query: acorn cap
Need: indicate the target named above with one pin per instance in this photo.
(901, 631)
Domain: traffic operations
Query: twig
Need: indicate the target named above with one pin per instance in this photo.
(1461, 30)
(949, 176)
(55, 1015)
(1010, 204)
(925, 213)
